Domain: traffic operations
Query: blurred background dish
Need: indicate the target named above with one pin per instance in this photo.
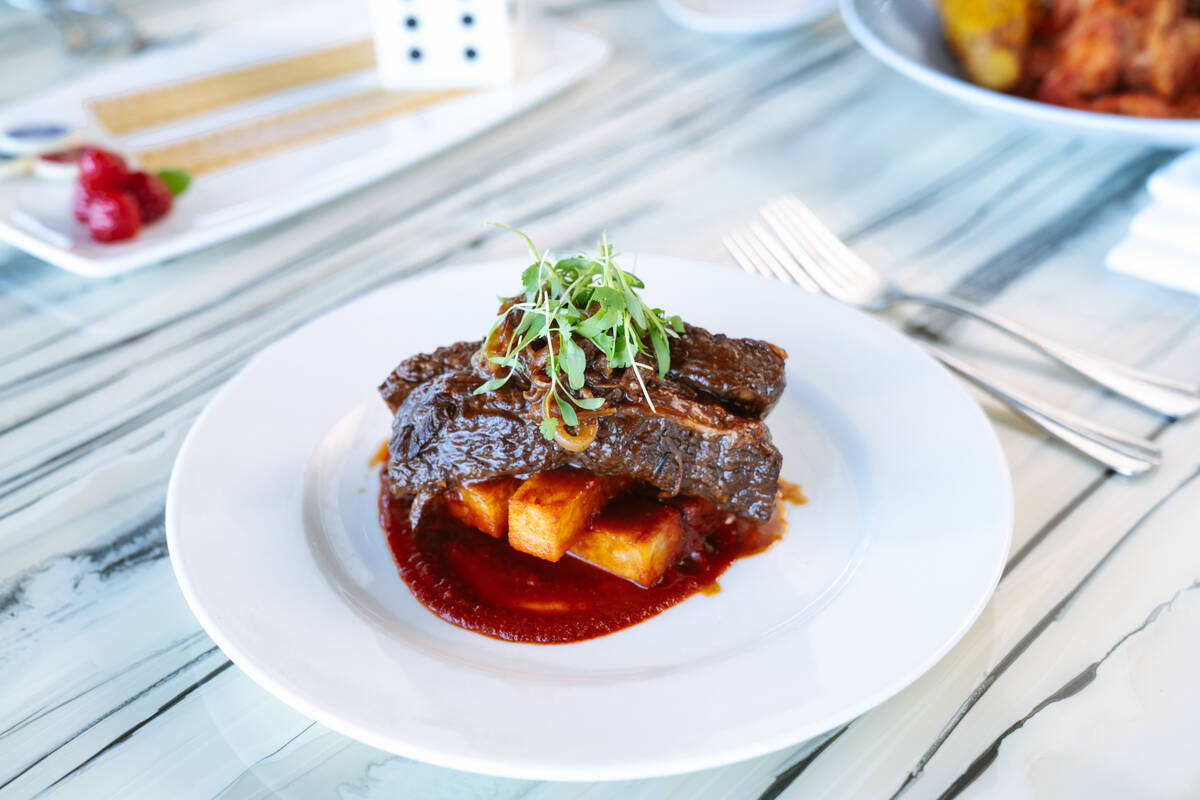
(273, 115)
(745, 17)
(907, 36)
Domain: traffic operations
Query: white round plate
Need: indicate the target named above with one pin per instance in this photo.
(907, 36)
(745, 17)
(273, 533)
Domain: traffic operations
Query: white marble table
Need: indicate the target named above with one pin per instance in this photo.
(1079, 680)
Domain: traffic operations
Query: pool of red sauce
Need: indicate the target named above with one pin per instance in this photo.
(479, 583)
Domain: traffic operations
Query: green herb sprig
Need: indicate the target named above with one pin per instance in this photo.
(177, 180)
(581, 297)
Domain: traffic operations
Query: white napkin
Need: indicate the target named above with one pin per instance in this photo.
(1163, 243)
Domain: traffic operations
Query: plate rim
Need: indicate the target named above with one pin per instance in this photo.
(1115, 126)
(533, 769)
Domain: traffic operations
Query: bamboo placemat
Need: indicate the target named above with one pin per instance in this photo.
(229, 146)
(125, 113)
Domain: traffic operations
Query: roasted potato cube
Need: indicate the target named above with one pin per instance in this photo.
(990, 38)
(638, 541)
(484, 504)
(549, 511)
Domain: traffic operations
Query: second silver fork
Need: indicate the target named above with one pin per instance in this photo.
(758, 251)
(842, 274)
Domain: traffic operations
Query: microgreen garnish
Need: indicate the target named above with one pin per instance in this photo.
(573, 299)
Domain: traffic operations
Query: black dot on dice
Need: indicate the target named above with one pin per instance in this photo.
(411, 22)
(468, 20)
(471, 53)
(415, 54)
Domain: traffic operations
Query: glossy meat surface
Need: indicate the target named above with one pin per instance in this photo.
(444, 435)
(412, 372)
(705, 437)
(744, 375)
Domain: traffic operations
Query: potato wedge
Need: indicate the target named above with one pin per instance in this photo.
(637, 541)
(484, 504)
(549, 511)
(989, 37)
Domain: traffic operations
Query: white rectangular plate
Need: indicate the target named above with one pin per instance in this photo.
(35, 215)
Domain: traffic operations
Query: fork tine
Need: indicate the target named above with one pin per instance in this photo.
(753, 251)
(825, 238)
(757, 240)
(785, 259)
(744, 243)
(809, 259)
(739, 254)
(797, 225)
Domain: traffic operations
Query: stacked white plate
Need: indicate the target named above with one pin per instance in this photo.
(1163, 244)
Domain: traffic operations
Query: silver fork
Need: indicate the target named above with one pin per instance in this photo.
(839, 272)
(758, 251)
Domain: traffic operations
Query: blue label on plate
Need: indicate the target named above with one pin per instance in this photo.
(41, 130)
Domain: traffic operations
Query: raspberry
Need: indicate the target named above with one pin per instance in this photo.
(113, 216)
(151, 194)
(101, 170)
(83, 199)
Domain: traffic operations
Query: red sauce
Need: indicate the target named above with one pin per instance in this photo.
(484, 585)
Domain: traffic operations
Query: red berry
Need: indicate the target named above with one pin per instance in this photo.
(102, 170)
(83, 199)
(113, 216)
(152, 195)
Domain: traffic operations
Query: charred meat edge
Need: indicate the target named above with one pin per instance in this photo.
(444, 435)
(745, 376)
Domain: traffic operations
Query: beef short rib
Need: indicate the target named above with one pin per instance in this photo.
(744, 375)
(444, 434)
(704, 438)
(414, 371)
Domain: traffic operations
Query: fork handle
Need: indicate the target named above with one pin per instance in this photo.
(1124, 454)
(1172, 398)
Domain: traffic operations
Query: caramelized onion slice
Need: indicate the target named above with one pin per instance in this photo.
(574, 443)
(586, 429)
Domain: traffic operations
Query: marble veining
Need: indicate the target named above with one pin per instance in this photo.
(1077, 681)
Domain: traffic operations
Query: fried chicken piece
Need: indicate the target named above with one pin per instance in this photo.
(1086, 62)
(1158, 61)
(1123, 56)
(1134, 104)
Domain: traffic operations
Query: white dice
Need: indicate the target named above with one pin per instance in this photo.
(444, 44)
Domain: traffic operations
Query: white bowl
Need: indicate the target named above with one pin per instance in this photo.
(907, 36)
